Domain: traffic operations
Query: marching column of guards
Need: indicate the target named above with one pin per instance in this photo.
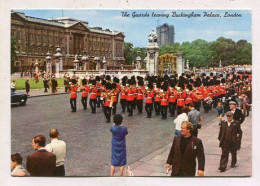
(160, 93)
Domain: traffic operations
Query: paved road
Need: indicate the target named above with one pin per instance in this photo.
(87, 136)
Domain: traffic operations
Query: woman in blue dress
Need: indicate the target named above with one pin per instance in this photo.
(118, 155)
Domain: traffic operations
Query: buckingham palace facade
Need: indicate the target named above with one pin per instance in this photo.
(35, 37)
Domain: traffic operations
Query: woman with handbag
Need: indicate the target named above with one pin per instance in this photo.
(118, 150)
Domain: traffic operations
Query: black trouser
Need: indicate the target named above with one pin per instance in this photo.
(130, 107)
(114, 108)
(179, 174)
(149, 109)
(93, 104)
(84, 101)
(59, 171)
(107, 112)
(45, 88)
(134, 106)
(164, 111)
(157, 107)
(99, 101)
(123, 104)
(206, 107)
(228, 146)
(73, 104)
(215, 101)
(172, 108)
(197, 105)
(179, 110)
(139, 104)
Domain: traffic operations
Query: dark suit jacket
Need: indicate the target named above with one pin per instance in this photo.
(239, 116)
(236, 132)
(41, 163)
(186, 161)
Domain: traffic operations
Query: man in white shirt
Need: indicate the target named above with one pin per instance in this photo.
(57, 147)
(180, 118)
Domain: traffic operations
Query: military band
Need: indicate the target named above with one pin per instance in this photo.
(157, 93)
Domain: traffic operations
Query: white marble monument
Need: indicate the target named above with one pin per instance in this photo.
(152, 54)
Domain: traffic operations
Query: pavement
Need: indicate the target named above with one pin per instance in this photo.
(154, 163)
(40, 92)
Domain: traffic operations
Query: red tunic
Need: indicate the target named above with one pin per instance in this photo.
(140, 95)
(93, 93)
(188, 98)
(130, 95)
(85, 91)
(172, 97)
(73, 91)
(123, 94)
(180, 99)
(149, 97)
(164, 99)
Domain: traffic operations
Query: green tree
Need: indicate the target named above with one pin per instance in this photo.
(244, 52)
(13, 56)
(169, 48)
(225, 50)
(128, 53)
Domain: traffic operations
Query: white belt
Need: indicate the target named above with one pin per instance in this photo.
(93, 93)
(130, 94)
(171, 96)
(140, 94)
(149, 98)
(164, 99)
(180, 99)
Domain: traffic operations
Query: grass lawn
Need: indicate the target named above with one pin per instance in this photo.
(20, 83)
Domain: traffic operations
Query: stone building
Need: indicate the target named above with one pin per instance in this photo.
(165, 34)
(34, 37)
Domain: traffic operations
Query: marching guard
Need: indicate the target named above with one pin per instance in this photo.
(157, 99)
(73, 95)
(108, 98)
(164, 100)
(130, 98)
(140, 96)
(93, 96)
(123, 95)
(84, 95)
(149, 100)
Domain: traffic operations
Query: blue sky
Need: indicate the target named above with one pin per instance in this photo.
(137, 29)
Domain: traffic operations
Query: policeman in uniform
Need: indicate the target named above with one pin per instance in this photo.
(229, 135)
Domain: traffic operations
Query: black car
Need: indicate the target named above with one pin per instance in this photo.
(18, 98)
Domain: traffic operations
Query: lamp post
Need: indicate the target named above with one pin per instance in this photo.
(36, 67)
(58, 56)
(84, 59)
(48, 64)
(76, 63)
(138, 59)
(104, 63)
